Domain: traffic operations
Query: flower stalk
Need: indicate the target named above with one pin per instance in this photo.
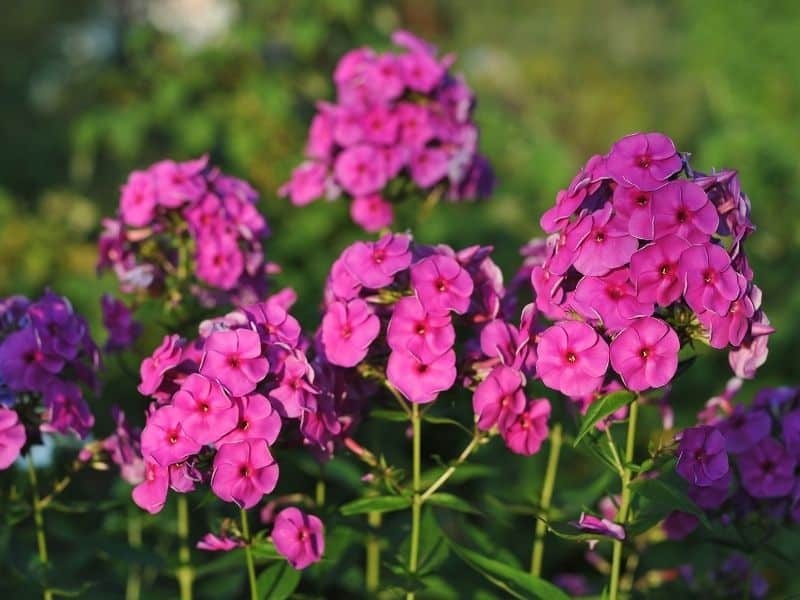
(416, 502)
(248, 554)
(185, 572)
(544, 503)
(38, 519)
(625, 499)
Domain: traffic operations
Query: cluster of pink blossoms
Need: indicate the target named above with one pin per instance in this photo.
(392, 311)
(641, 262)
(402, 124)
(186, 227)
(47, 359)
(222, 401)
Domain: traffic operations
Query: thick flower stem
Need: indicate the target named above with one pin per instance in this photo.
(38, 519)
(544, 503)
(624, 505)
(416, 503)
(372, 573)
(133, 585)
(185, 572)
(319, 492)
(248, 554)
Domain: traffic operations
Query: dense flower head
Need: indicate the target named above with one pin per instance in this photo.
(401, 125)
(48, 361)
(186, 228)
(748, 456)
(651, 254)
(223, 400)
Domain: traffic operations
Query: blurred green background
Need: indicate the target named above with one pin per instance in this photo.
(91, 89)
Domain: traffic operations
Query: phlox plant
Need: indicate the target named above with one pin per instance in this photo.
(644, 262)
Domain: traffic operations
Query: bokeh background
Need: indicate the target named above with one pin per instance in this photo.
(91, 89)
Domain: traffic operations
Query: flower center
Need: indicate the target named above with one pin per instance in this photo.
(644, 352)
(422, 368)
(172, 438)
(682, 215)
(204, 407)
(244, 471)
(600, 237)
(441, 285)
(767, 466)
(708, 276)
(665, 270)
(643, 161)
(244, 425)
(378, 256)
(234, 361)
(347, 331)
(641, 201)
(420, 329)
(571, 357)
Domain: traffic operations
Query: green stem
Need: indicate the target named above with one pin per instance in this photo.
(544, 504)
(38, 519)
(185, 572)
(452, 468)
(373, 568)
(319, 492)
(416, 504)
(248, 554)
(133, 585)
(622, 515)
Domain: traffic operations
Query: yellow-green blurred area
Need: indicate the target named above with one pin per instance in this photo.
(94, 89)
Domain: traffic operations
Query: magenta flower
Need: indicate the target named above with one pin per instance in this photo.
(421, 72)
(502, 341)
(371, 212)
(220, 262)
(234, 358)
(244, 472)
(360, 170)
(298, 537)
(295, 391)
(429, 166)
(612, 299)
(256, 419)
(644, 160)
(655, 270)
(307, 183)
(179, 181)
(602, 526)
(702, 459)
(635, 207)
(711, 282)
(683, 209)
(207, 413)
(527, 430)
(164, 358)
(767, 470)
(499, 398)
(348, 329)
(572, 358)
(420, 379)
(164, 438)
(138, 201)
(605, 246)
(413, 329)
(66, 410)
(213, 543)
(151, 494)
(711, 497)
(645, 354)
(374, 264)
(12, 437)
(729, 329)
(441, 284)
(753, 352)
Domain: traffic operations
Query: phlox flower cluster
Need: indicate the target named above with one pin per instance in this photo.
(742, 461)
(47, 361)
(123, 329)
(645, 256)
(186, 227)
(222, 401)
(401, 126)
(393, 308)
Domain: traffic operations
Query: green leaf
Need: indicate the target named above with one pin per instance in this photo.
(607, 405)
(388, 415)
(515, 582)
(661, 493)
(452, 502)
(265, 550)
(380, 504)
(277, 582)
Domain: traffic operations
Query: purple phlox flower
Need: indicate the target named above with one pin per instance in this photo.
(744, 428)
(165, 439)
(257, 420)
(207, 413)
(151, 494)
(682, 208)
(712, 496)
(123, 329)
(499, 398)
(234, 358)
(372, 213)
(612, 299)
(767, 470)
(374, 264)
(643, 160)
(348, 329)
(527, 430)
(711, 283)
(604, 527)
(441, 285)
(414, 329)
(420, 378)
(243, 472)
(12, 437)
(678, 524)
(655, 272)
(222, 543)
(154, 368)
(702, 458)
